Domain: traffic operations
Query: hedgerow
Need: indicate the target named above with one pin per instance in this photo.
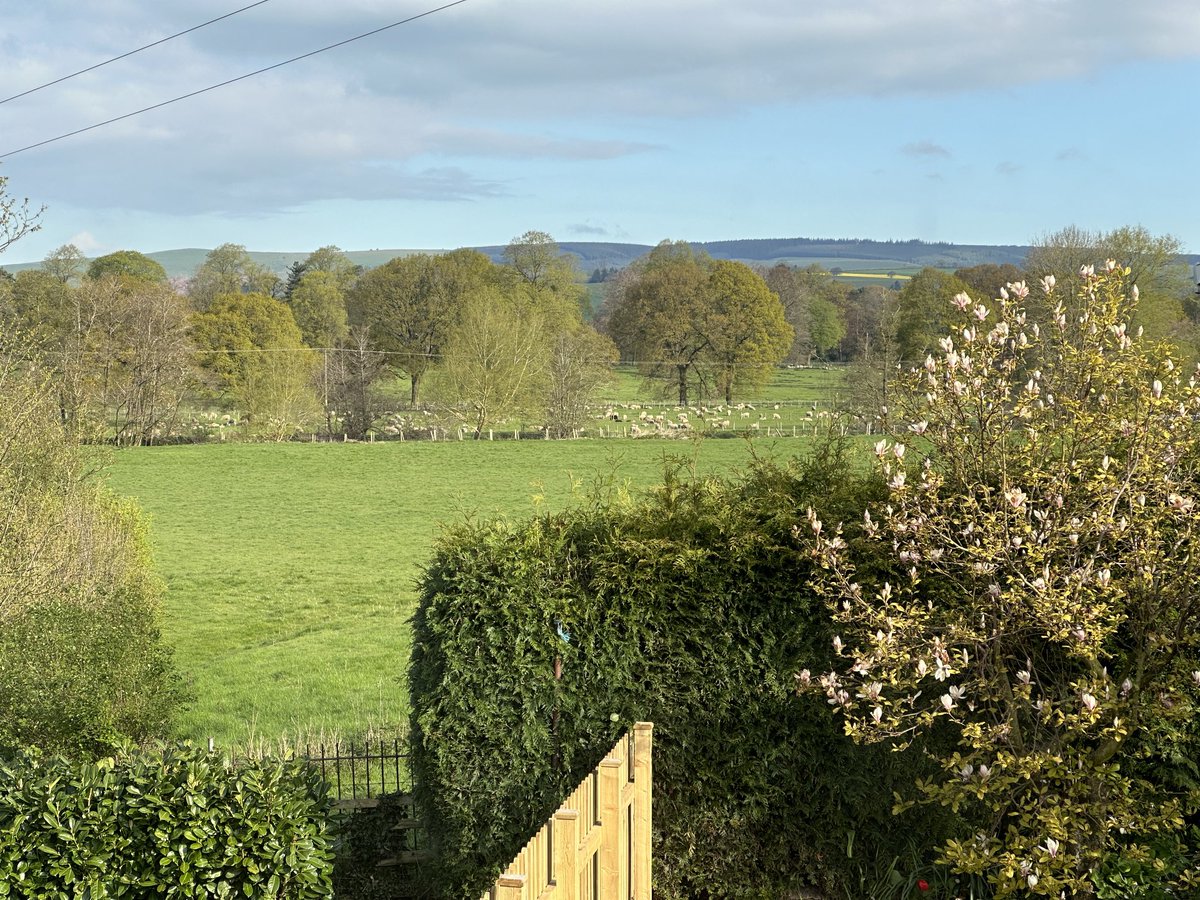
(688, 608)
(176, 823)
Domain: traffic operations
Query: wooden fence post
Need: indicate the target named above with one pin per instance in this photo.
(643, 807)
(511, 887)
(610, 830)
(566, 854)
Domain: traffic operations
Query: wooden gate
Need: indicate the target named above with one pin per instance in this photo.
(597, 846)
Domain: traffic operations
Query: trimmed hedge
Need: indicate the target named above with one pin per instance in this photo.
(175, 823)
(689, 609)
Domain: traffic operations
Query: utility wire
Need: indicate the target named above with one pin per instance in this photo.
(131, 52)
(213, 87)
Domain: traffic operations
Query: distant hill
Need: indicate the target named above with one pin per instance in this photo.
(847, 254)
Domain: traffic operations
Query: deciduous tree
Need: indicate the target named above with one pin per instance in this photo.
(229, 269)
(691, 323)
(252, 344)
(410, 304)
(660, 302)
(496, 362)
(17, 219)
(319, 306)
(1031, 586)
(581, 362)
(745, 328)
(66, 263)
(921, 312)
(128, 264)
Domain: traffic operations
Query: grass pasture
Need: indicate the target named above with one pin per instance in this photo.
(291, 568)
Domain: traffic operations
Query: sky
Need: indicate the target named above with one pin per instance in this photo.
(968, 121)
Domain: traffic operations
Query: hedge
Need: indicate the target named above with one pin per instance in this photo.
(690, 609)
(172, 823)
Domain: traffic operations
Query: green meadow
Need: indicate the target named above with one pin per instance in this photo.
(291, 568)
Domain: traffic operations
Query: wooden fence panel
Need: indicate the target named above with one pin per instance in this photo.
(597, 845)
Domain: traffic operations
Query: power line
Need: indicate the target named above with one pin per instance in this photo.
(131, 52)
(222, 84)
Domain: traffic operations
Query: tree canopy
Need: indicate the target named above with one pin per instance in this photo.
(229, 269)
(693, 324)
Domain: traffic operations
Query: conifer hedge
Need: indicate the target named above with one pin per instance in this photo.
(688, 608)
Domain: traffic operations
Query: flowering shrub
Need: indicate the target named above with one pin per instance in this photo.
(1041, 601)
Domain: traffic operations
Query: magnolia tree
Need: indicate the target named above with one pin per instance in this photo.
(1038, 601)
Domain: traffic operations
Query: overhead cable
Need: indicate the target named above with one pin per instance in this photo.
(213, 87)
(98, 65)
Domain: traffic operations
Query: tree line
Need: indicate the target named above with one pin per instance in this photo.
(483, 341)
(479, 340)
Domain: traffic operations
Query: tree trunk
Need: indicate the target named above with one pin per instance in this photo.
(683, 398)
(415, 395)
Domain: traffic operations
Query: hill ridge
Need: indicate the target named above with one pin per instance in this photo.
(880, 256)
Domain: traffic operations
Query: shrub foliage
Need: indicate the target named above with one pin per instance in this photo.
(689, 609)
(178, 823)
(82, 662)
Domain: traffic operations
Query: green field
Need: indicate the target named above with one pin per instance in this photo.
(291, 568)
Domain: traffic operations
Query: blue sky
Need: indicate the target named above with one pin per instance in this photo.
(971, 121)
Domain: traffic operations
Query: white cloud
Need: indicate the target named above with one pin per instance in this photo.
(86, 242)
(426, 109)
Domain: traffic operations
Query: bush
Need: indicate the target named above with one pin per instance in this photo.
(82, 663)
(688, 609)
(1044, 611)
(176, 823)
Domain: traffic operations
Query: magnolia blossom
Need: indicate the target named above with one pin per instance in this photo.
(918, 427)
(961, 301)
(1015, 497)
(1180, 503)
(1052, 847)
(1048, 284)
(1089, 701)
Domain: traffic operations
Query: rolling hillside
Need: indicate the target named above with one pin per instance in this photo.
(851, 255)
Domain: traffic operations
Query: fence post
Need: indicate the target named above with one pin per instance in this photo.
(610, 830)
(566, 855)
(642, 838)
(511, 887)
